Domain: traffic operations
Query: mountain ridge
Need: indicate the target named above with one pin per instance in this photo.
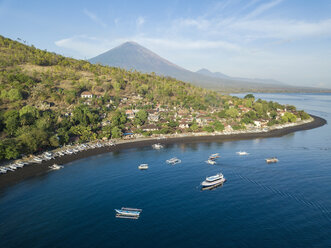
(133, 56)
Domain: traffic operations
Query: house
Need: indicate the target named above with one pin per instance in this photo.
(149, 127)
(129, 113)
(86, 94)
(153, 117)
(183, 124)
(228, 128)
(257, 123)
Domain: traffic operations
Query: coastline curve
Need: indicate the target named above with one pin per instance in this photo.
(33, 170)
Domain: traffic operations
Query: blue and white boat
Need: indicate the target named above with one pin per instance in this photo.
(128, 212)
(213, 180)
(174, 161)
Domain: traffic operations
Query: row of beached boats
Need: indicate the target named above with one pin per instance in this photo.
(48, 155)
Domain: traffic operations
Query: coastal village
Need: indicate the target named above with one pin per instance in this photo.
(237, 114)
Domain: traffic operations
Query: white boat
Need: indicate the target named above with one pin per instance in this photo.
(37, 160)
(128, 213)
(19, 165)
(157, 146)
(214, 156)
(242, 153)
(174, 161)
(69, 152)
(48, 154)
(3, 171)
(55, 167)
(213, 180)
(9, 169)
(209, 161)
(143, 167)
(47, 157)
(272, 160)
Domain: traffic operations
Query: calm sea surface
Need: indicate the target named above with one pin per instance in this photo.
(287, 204)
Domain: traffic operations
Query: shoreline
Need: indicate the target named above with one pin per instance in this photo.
(34, 170)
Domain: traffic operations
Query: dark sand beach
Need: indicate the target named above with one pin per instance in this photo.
(33, 170)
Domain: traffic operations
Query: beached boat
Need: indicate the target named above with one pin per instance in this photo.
(47, 157)
(143, 167)
(213, 180)
(37, 160)
(55, 167)
(212, 162)
(133, 213)
(174, 161)
(157, 146)
(271, 160)
(20, 164)
(214, 156)
(242, 153)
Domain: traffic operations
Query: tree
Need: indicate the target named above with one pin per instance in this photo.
(54, 141)
(249, 96)
(14, 95)
(194, 127)
(11, 120)
(116, 132)
(33, 139)
(232, 112)
(141, 117)
(11, 150)
(119, 118)
(218, 126)
(106, 132)
(84, 132)
(208, 129)
(28, 114)
(289, 117)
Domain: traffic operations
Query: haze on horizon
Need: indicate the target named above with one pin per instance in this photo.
(289, 41)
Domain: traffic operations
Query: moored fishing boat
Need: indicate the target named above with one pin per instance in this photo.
(174, 161)
(214, 156)
(242, 153)
(143, 167)
(132, 213)
(55, 167)
(272, 160)
(157, 146)
(212, 162)
(213, 180)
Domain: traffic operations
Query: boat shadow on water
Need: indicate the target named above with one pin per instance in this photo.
(214, 187)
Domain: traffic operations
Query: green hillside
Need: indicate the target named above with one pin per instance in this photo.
(42, 105)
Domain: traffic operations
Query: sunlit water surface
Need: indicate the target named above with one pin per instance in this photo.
(287, 204)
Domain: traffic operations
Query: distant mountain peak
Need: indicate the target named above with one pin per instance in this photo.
(131, 55)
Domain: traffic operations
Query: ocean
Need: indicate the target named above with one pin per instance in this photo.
(286, 204)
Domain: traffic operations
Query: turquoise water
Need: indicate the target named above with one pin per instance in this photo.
(287, 204)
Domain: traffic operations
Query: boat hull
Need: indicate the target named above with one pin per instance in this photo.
(127, 213)
(214, 183)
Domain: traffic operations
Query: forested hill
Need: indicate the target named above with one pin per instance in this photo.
(47, 100)
(41, 99)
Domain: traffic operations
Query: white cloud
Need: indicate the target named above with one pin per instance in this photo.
(263, 8)
(94, 18)
(83, 46)
(140, 21)
(284, 29)
(190, 44)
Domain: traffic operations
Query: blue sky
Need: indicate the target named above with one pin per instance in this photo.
(286, 40)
